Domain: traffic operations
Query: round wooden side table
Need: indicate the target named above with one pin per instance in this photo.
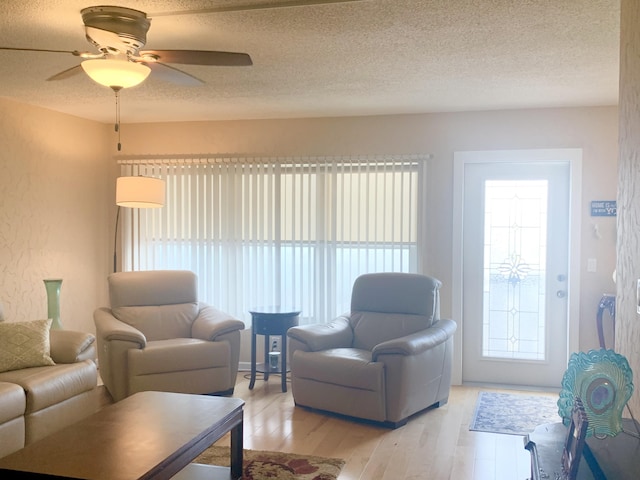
(273, 320)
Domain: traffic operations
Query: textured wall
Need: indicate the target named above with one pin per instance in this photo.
(53, 213)
(628, 262)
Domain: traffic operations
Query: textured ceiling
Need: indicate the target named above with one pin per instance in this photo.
(363, 57)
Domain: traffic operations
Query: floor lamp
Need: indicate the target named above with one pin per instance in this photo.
(136, 192)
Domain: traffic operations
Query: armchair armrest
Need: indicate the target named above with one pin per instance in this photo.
(69, 346)
(212, 323)
(109, 328)
(417, 342)
(337, 334)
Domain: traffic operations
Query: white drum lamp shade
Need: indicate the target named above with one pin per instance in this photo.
(140, 192)
(136, 192)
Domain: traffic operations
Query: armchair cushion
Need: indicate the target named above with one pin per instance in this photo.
(394, 293)
(392, 305)
(373, 328)
(24, 345)
(161, 304)
(159, 322)
(177, 355)
(341, 366)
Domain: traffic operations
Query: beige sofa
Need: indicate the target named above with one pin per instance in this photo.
(37, 401)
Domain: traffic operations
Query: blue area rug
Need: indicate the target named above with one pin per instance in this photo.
(513, 413)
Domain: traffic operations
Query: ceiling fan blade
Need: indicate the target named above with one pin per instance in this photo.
(68, 73)
(246, 7)
(173, 75)
(200, 57)
(72, 52)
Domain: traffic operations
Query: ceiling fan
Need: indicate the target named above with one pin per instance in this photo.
(120, 33)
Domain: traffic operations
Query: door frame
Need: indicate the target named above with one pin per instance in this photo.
(462, 158)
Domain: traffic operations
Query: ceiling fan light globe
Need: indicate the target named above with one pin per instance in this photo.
(116, 74)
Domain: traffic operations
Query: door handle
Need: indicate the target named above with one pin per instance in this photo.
(561, 293)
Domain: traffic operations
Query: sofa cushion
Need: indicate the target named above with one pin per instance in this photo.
(68, 346)
(350, 367)
(24, 345)
(46, 386)
(12, 423)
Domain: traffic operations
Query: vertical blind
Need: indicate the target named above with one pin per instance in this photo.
(279, 231)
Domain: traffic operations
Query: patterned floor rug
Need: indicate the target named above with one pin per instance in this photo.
(261, 465)
(513, 414)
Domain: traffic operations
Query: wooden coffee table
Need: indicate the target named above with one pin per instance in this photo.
(150, 435)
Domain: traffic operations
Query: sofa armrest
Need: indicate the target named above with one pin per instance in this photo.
(337, 334)
(418, 342)
(69, 346)
(109, 328)
(212, 323)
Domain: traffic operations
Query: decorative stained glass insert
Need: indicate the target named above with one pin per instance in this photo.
(515, 250)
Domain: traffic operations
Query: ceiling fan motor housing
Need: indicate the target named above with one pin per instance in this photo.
(129, 26)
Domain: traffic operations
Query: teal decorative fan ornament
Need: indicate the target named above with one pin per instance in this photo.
(604, 382)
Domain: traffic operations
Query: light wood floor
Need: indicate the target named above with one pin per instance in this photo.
(434, 445)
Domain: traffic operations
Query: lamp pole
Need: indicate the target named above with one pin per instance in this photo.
(115, 242)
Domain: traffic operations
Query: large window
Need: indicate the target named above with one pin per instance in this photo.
(281, 231)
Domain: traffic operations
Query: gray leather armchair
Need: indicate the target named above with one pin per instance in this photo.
(389, 358)
(157, 336)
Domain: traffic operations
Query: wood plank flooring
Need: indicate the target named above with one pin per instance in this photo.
(434, 445)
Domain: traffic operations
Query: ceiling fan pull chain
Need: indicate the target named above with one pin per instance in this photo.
(117, 125)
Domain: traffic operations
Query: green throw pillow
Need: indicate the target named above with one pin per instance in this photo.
(24, 344)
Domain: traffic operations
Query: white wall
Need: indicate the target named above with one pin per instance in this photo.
(594, 130)
(53, 213)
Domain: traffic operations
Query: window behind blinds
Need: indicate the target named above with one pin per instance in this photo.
(279, 231)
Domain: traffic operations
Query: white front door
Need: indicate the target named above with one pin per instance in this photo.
(515, 280)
